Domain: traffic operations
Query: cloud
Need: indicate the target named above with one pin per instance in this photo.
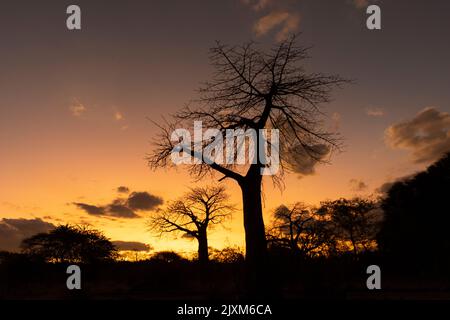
(115, 209)
(123, 189)
(303, 161)
(281, 15)
(13, 231)
(91, 209)
(258, 5)
(132, 246)
(143, 201)
(289, 21)
(360, 4)
(124, 208)
(358, 185)
(376, 112)
(187, 236)
(118, 116)
(77, 109)
(120, 211)
(426, 136)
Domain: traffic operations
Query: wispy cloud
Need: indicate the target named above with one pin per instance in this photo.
(118, 116)
(287, 21)
(360, 4)
(375, 112)
(278, 14)
(258, 4)
(358, 185)
(77, 108)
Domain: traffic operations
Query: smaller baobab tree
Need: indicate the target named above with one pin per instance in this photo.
(193, 214)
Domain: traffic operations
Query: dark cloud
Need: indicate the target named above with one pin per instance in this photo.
(187, 236)
(426, 136)
(358, 185)
(132, 246)
(13, 231)
(91, 209)
(303, 161)
(121, 211)
(143, 201)
(123, 189)
(123, 208)
(115, 209)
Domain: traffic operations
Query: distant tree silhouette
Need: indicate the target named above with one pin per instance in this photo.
(253, 89)
(67, 243)
(227, 255)
(166, 256)
(353, 220)
(417, 217)
(300, 229)
(193, 214)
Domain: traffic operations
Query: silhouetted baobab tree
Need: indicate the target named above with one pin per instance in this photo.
(193, 215)
(254, 89)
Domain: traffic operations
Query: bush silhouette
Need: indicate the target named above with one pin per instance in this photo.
(227, 255)
(167, 256)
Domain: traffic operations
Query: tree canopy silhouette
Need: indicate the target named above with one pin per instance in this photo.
(354, 221)
(166, 257)
(68, 243)
(417, 217)
(256, 89)
(301, 230)
(193, 214)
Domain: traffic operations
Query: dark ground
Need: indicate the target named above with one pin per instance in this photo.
(338, 278)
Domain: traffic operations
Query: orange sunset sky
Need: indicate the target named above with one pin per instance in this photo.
(75, 105)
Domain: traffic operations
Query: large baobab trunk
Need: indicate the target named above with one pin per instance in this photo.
(255, 238)
(203, 255)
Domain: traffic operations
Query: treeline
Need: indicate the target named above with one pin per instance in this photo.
(333, 228)
(84, 245)
(408, 224)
